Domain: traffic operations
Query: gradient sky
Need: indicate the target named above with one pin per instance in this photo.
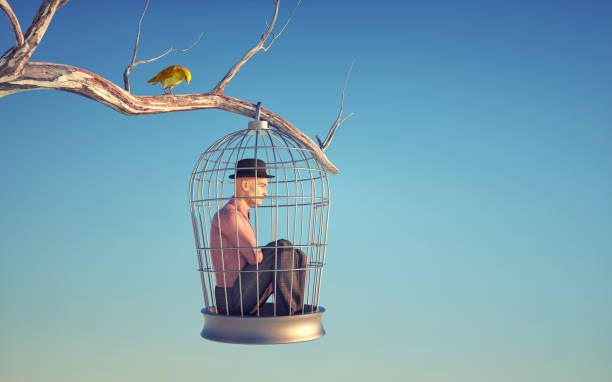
(471, 224)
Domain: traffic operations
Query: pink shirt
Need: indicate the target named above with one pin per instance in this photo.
(232, 241)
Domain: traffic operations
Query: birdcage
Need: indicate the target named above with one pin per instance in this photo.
(265, 290)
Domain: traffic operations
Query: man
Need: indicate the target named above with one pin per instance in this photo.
(245, 274)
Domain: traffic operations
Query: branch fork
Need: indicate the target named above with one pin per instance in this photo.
(339, 119)
(220, 87)
(128, 70)
(18, 74)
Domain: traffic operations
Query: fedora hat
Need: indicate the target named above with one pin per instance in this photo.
(250, 168)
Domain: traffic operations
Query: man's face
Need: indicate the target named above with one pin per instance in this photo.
(257, 191)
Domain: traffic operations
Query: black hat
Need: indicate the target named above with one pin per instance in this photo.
(245, 168)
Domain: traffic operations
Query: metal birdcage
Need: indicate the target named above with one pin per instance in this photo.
(292, 217)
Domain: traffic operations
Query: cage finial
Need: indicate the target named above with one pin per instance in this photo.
(258, 123)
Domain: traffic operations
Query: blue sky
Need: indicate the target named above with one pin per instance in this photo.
(470, 233)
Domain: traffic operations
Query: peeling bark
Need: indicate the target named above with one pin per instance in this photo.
(51, 76)
(17, 74)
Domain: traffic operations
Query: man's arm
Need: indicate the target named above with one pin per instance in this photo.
(245, 237)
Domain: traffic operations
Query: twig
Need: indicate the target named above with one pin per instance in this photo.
(138, 34)
(128, 70)
(274, 37)
(46, 75)
(220, 87)
(14, 22)
(17, 74)
(339, 120)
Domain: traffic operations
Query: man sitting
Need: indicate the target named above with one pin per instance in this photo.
(245, 274)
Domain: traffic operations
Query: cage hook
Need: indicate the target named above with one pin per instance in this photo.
(258, 111)
(258, 123)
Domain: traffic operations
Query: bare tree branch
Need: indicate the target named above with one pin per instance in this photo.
(45, 75)
(274, 37)
(126, 81)
(14, 22)
(13, 61)
(128, 70)
(339, 120)
(17, 74)
(220, 87)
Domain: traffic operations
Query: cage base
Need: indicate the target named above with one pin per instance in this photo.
(265, 329)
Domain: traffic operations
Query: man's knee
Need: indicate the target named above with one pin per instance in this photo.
(278, 244)
(293, 256)
(283, 251)
(283, 243)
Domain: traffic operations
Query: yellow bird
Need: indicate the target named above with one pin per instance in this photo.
(171, 76)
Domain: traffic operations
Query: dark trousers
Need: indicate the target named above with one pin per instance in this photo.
(282, 272)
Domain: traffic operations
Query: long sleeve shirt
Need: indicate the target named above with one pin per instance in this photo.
(233, 243)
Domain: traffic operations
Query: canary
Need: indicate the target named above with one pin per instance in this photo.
(171, 76)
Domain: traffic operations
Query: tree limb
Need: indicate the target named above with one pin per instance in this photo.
(128, 70)
(220, 87)
(17, 74)
(45, 75)
(13, 61)
(339, 120)
(14, 22)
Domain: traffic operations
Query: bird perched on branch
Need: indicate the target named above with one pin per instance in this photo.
(171, 76)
